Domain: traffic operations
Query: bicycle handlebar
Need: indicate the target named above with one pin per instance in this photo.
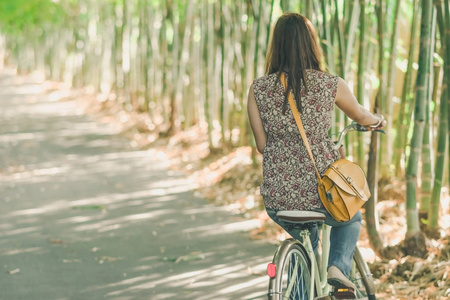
(352, 127)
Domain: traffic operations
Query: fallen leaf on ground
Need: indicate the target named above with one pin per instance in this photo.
(56, 241)
(108, 259)
(189, 257)
(69, 261)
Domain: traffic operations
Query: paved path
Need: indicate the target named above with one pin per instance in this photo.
(85, 216)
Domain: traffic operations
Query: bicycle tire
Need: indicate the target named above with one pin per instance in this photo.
(362, 278)
(291, 258)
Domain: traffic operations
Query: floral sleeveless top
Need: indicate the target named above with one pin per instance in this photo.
(289, 179)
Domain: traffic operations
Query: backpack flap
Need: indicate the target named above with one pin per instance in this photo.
(349, 177)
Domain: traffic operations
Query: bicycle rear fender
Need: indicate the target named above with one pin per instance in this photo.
(278, 256)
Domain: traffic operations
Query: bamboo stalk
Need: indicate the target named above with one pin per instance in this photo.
(224, 74)
(351, 35)
(371, 215)
(443, 128)
(419, 121)
(387, 139)
(174, 46)
(201, 74)
(210, 71)
(165, 89)
(340, 38)
(427, 173)
(126, 32)
(257, 23)
(144, 56)
(244, 133)
(268, 26)
(308, 11)
(158, 41)
(381, 92)
(360, 91)
(152, 64)
(326, 41)
(406, 98)
(447, 70)
(183, 59)
(285, 5)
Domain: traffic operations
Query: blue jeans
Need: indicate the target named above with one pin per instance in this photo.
(343, 237)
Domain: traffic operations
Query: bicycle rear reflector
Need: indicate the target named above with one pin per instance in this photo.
(271, 270)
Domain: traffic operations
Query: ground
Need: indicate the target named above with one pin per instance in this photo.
(230, 178)
(100, 205)
(86, 214)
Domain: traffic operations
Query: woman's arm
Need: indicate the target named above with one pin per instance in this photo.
(347, 102)
(255, 121)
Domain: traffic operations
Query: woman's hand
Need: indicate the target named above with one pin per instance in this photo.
(380, 124)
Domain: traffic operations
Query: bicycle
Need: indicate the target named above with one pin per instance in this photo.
(294, 272)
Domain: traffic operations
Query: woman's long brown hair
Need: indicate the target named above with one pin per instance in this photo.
(293, 49)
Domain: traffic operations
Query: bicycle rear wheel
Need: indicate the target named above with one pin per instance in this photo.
(293, 276)
(360, 275)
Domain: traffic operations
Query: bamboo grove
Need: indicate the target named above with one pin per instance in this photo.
(191, 63)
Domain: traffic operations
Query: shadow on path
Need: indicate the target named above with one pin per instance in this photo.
(85, 216)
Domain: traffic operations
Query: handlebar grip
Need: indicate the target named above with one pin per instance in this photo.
(361, 128)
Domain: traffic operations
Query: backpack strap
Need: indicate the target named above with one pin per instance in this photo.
(300, 126)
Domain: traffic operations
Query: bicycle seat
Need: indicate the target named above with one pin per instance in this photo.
(301, 216)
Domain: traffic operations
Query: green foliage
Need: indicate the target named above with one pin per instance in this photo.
(22, 16)
(145, 59)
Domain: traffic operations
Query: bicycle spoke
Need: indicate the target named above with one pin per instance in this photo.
(292, 276)
(293, 281)
(296, 285)
(357, 279)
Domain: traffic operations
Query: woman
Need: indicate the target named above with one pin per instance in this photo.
(289, 180)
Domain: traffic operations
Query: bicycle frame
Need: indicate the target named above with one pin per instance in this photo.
(318, 275)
